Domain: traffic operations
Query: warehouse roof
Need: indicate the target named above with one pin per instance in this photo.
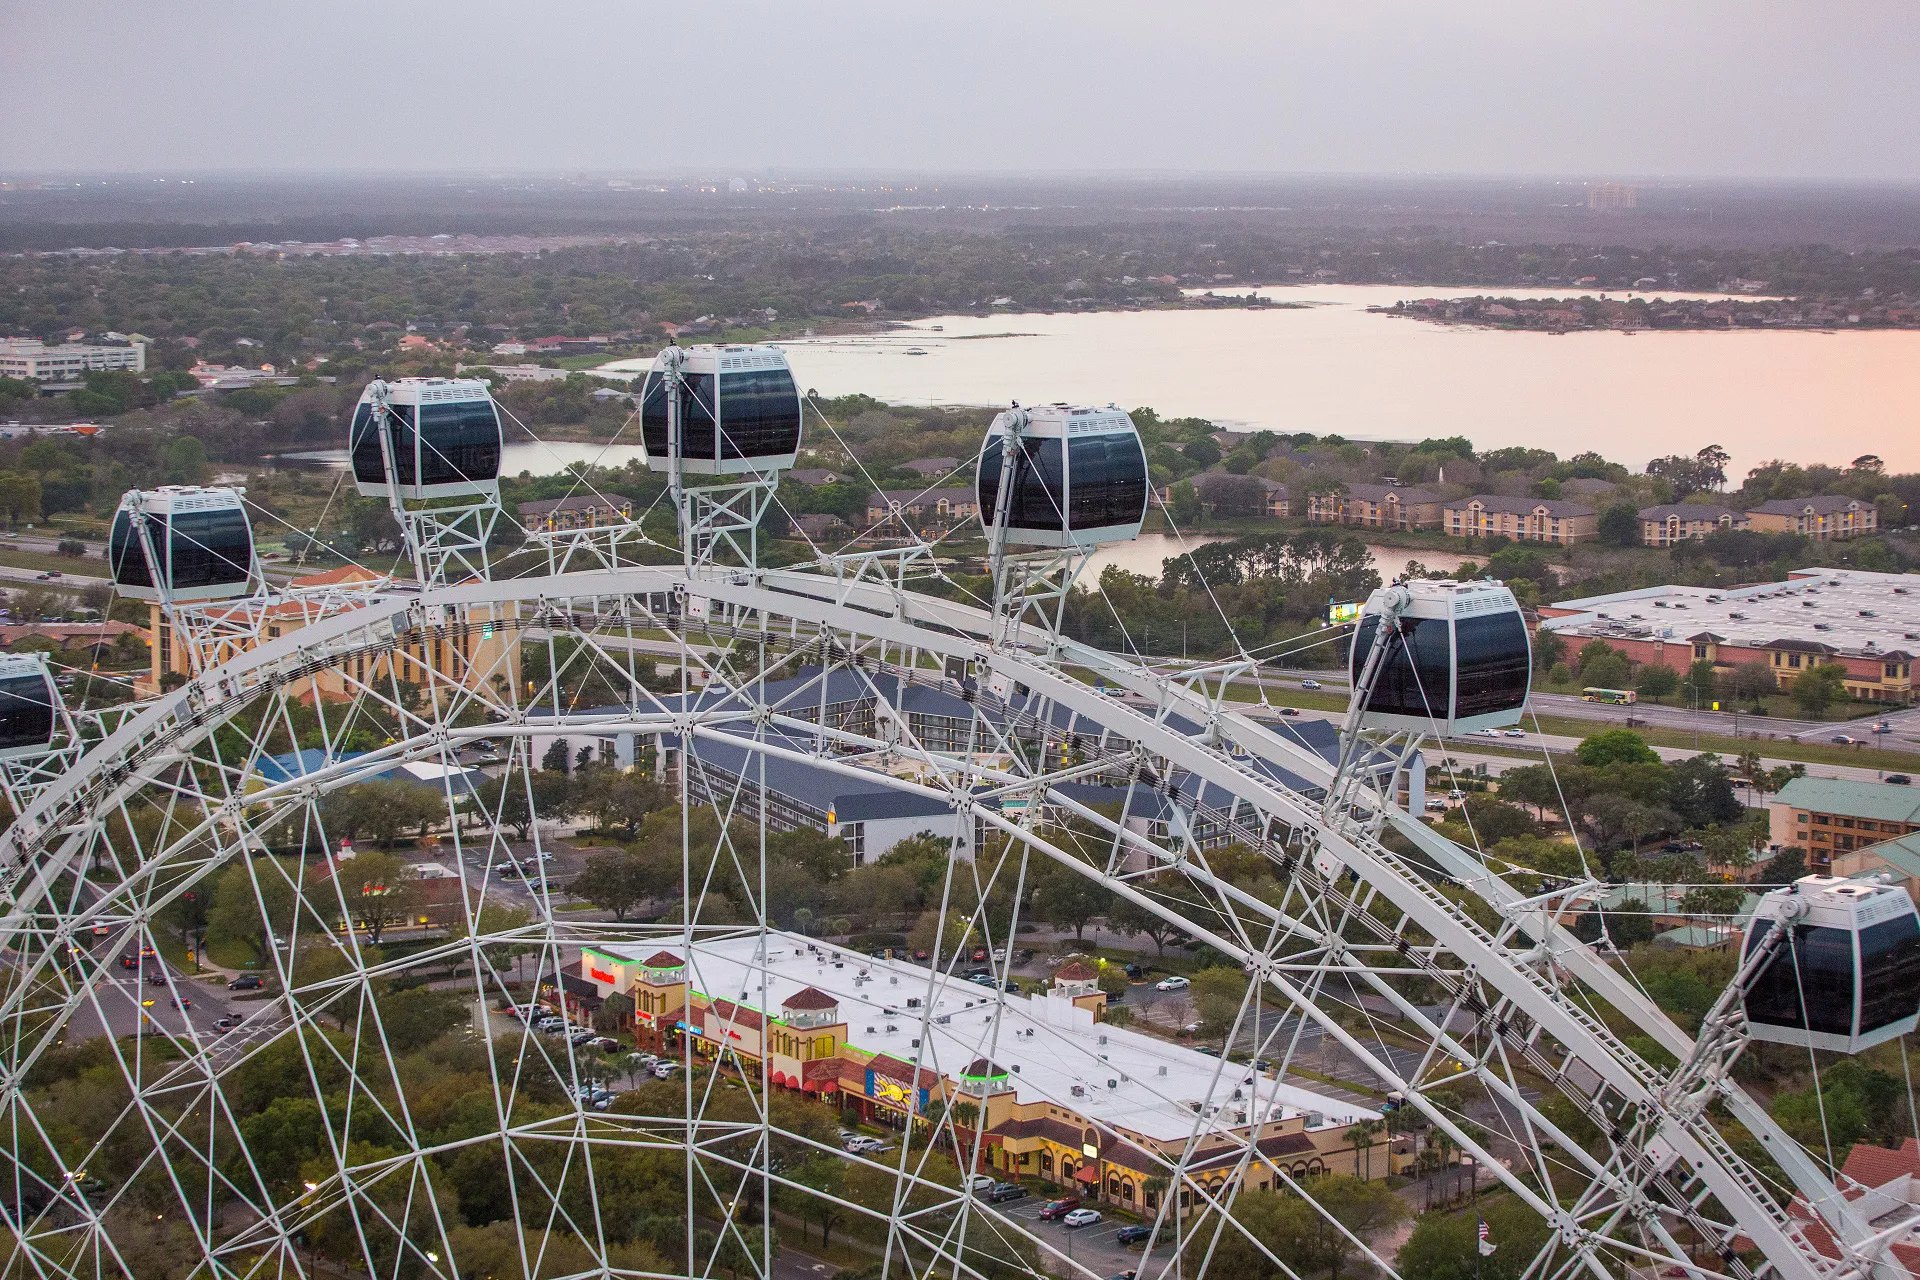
(1840, 611)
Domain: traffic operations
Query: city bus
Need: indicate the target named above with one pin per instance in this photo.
(1617, 697)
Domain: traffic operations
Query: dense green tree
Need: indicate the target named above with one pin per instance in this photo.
(1816, 690)
(1614, 746)
(616, 881)
(1446, 1246)
(1619, 525)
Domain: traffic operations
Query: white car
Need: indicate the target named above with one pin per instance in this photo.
(661, 1070)
(1516, 733)
(861, 1142)
(1082, 1218)
(1435, 804)
(979, 1182)
(1175, 983)
(1304, 684)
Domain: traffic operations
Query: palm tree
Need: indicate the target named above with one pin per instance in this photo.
(1360, 1134)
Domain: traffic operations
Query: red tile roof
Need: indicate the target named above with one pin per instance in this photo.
(810, 998)
(1873, 1166)
(663, 960)
(1074, 971)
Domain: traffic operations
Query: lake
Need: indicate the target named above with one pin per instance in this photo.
(1333, 368)
(1144, 554)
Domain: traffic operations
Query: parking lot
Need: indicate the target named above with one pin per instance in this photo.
(1093, 1247)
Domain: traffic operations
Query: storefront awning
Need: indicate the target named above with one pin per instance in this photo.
(1088, 1174)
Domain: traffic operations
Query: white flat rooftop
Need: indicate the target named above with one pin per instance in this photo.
(1851, 611)
(1127, 1080)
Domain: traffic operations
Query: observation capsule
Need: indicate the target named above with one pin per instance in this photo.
(1460, 661)
(29, 706)
(739, 411)
(1849, 980)
(445, 435)
(1080, 477)
(201, 538)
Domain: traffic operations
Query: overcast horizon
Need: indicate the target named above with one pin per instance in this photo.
(1484, 89)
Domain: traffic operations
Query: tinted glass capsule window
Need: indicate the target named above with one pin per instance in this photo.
(459, 442)
(209, 549)
(1889, 972)
(1416, 671)
(1494, 663)
(126, 558)
(27, 702)
(759, 413)
(1107, 481)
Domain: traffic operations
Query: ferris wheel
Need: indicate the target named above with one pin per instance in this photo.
(434, 1064)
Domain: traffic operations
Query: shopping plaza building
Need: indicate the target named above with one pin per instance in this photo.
(1049, 1090)
(1868, 623)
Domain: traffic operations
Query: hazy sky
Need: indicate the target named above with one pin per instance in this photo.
(1631, 87)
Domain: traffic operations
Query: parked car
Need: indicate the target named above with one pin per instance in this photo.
(1175, 983)
(862, 1142)
(1135, 972)
(978, 1182)
(605, 1044)
(1000, 1192)
(1133, 1233)
(1081, 1218)
(1436, 805)
(1456, 795)
(663, 1069)
(245, 982)
(1192, 1029)
(1054, 1209)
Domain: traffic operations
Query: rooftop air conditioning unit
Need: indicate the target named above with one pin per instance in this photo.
(1079, 1091)
(1163, 1071)
(1103, 1039)
(1112, 1083)
(916, 1044)
(892, 1027)
(913, 1002)
(1016, 1068)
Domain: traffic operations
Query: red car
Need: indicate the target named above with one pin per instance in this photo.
(1057, 1209)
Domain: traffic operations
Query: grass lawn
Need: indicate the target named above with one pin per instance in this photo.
(42, 561)
(1776, 749)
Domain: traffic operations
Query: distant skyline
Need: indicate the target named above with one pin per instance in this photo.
(1719, 89)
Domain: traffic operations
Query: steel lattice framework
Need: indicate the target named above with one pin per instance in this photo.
(1517, 1022)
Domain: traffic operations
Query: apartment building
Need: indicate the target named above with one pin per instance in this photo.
(1665, 525)
(921, 508)
(1827, 516)
(1832, 817)
(580, 511)
(1522, 519)
(1377, 506)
